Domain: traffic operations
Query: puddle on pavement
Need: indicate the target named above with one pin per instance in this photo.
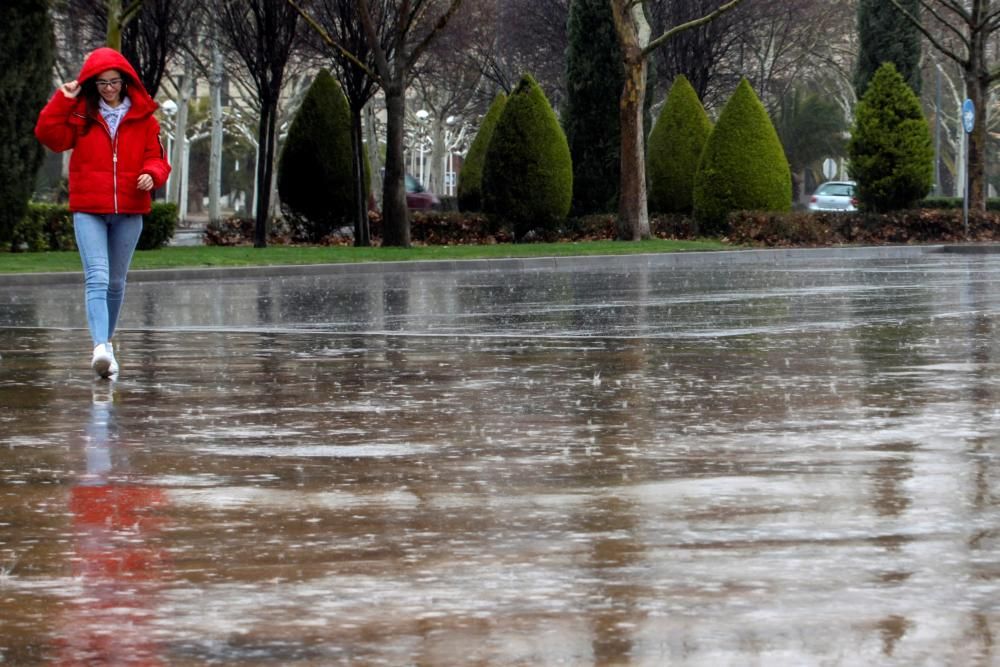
(757, 466)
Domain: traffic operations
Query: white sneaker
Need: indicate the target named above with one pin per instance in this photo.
(102, 360)
(113, 369)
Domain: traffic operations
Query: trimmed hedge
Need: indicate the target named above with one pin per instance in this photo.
(743, 166)
(49, 227)
(470, 178)
(944, 203)
(158, 226)
(891, 155)
(315, 170)
(806, 229)
(675, 147)
(528, 172)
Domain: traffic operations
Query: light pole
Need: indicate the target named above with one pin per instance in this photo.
(169, 109)
(422, 116)
(449, 172)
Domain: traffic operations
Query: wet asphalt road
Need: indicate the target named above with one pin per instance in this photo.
(755, 464)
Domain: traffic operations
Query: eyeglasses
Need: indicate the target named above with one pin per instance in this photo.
(109, 83)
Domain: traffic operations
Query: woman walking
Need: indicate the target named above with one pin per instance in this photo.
(106, 116)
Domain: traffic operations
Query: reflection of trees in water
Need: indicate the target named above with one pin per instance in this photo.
(615, 558)
(982, 544)
(890, 498)
(616, 410)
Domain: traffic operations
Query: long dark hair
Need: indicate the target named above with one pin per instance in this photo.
(92, 98)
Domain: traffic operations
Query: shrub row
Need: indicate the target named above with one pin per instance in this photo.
(49, 227)
(897, 227)
(992, 204)
(455, 228)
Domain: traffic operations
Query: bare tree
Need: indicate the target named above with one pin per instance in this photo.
(971, 24)
(119, 14)
(339, 35)
(398, 32)
(262, 33)
(148, 33)
(633, 32)
(450, 86)
(155, 34)
(701, 54)
(522, 36)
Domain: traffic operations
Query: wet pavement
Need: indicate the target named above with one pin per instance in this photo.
(622, 464)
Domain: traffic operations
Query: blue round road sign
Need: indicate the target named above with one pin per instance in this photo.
(968, 115)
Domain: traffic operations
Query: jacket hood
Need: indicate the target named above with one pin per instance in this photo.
(106, 58)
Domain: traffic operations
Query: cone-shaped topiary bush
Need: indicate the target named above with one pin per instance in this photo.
(470, 179)
(675, 147)
(315, 179)
(890, 152)
(743, 166)
(528, 172)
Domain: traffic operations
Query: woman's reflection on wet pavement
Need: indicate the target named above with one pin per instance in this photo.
(117, 561)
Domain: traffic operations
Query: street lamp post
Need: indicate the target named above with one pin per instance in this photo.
(169, 109)
(448, 180)
(422, 116)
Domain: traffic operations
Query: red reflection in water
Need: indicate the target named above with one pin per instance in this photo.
(116, 558)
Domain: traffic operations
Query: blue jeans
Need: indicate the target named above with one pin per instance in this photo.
(106, 244)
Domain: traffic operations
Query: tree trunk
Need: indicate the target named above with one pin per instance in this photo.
(633, 33)
(361, 231)
(437, 168)
(269, 118)
(395, 217)
(215, 154)
(976, 87)
(178, 183)
(374, 157)
(633, 215)
(114, 33)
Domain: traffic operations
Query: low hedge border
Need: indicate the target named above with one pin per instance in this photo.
(455, 228)
(826, 229)
(49, 227)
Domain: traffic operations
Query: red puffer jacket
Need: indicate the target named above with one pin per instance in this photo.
(103, 172)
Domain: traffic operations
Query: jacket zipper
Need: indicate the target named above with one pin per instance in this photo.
(114, 161)
(114, 169)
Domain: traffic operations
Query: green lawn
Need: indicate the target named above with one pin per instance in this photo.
(200, 256)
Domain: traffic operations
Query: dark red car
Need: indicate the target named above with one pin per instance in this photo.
(418, 198)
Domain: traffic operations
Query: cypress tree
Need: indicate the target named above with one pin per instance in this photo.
(315, 175)
(528, 172)
(886, 35)
(470, 179)
(890, 153)
(743, 166)
(594, 81)
(675, 147)
(26, 61)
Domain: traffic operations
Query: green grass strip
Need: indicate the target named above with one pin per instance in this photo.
(217, 256)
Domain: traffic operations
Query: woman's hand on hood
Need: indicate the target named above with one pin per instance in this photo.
(70, 89)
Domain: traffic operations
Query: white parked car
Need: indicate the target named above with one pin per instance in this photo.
(834, 196)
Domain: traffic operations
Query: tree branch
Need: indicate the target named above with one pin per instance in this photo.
(381, 62)
(964, 62)
(438, 27)
(653, 45)
(129, 12)
(960, 11)
(330, 41)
